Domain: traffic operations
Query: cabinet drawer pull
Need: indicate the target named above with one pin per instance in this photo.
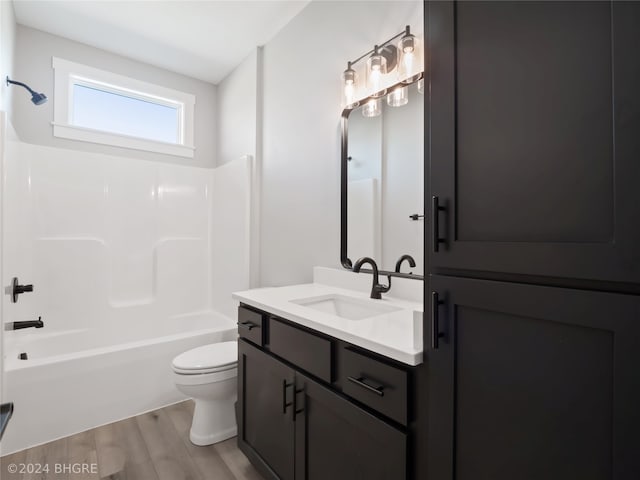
(286, 404)
(247, 325)
(368, 385)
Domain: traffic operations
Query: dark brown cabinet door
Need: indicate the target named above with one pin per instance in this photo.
(337, 440)
(265, 417)
(533, 382)
(535, 143)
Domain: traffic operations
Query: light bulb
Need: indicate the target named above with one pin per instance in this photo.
(372, 108)
(398, 97)
(408, 47)
(376, 67)
(349, 79)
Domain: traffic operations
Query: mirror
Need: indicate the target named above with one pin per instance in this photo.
(383, 182)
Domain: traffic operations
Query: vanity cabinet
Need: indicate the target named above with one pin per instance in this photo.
(534, 138)
(309, 421)
(337, 440)
(265, 420)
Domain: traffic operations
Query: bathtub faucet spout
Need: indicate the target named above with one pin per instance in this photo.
(27, 324)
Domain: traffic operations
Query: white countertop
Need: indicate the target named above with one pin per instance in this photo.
(397, 335)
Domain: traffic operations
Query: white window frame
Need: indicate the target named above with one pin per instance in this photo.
(67, 74)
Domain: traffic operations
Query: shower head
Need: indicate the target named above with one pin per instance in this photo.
(36, 98)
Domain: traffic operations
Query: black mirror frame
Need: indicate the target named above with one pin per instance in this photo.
(345, 261)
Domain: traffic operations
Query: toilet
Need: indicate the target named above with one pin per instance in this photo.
(208, 375)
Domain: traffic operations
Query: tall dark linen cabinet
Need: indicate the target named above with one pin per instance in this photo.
(532, 345)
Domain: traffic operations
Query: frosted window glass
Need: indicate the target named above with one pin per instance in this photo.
(111, 112)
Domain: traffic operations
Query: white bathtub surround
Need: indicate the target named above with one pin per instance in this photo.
(395, 333)
(119, 253)
(232, 194)
(103, 237)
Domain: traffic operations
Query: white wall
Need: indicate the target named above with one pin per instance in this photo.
(7, 46)
(237, 111)
(104, 238)
(34, 50)
(300, 217)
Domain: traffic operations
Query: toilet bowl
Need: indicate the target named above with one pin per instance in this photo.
(208, 375)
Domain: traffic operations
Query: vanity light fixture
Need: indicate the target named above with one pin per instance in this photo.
(382, 60)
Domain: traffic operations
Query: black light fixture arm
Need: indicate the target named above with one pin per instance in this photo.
(406, 31)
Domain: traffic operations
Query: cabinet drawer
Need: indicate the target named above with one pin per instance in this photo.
(303, 349)
(376, 384)
(251, 325)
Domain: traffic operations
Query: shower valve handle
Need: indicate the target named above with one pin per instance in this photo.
(17, 289)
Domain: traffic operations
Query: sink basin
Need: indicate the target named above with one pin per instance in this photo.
(346, 307)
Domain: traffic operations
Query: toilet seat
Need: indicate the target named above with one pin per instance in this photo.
(216, 357)
(202, 371)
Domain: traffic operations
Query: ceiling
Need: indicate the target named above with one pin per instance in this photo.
(202, 39)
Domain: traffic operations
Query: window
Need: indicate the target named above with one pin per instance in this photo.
(101, 107)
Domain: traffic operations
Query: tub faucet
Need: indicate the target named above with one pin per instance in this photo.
(376, 289)
(27, 324)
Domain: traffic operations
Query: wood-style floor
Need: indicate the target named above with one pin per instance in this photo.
(152, 446)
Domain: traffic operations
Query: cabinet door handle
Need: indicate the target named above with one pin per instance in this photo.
(436, 240)
(435, 320)
(286, 404)
(368, 385)
(297, 410)
(247, 325)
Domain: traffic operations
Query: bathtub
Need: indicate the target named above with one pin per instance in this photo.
(75, 380)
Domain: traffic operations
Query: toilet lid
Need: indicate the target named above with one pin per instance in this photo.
(208, 357)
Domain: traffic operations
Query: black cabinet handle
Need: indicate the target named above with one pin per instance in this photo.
(435, 327)
(296, 410)
(286, 404)
(435, 224)
(247, 325)
(368, 385)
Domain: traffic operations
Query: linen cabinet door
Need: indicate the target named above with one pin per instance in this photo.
(532, 382)
(535, 114)
(339, 441)
(265, 419)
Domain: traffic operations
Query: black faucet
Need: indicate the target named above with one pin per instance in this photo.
(408, 258)
(27, 324)
(376, 289)
(17, 289)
